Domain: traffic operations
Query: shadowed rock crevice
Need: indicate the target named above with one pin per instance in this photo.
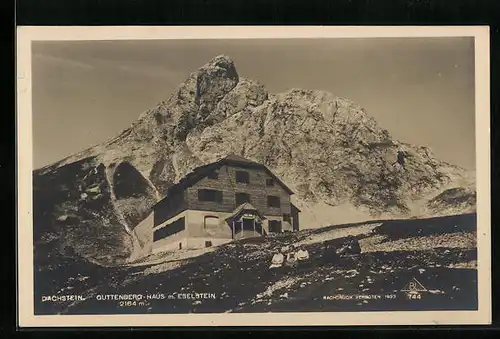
(133, 193)
(128, 182)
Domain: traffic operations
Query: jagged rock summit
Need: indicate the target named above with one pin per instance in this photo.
(340, 163)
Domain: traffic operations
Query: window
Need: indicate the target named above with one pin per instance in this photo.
(287, 218)
(169, 207)
(243, 177)
(273, 201)
(209, 195)
(269, 182)
(213, 175)
(180, 246)
(211, 222)
(237, 228)
(242, 198)
(170, 229)
(208, 243)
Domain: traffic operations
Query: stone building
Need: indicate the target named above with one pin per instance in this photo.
(229, 199)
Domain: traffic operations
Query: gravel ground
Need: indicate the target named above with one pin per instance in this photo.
(466, 240)
(238, 275)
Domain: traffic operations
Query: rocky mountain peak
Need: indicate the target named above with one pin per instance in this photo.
(221, 61)
(194, 100)
(326, 148)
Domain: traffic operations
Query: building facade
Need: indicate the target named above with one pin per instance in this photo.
(232, 198)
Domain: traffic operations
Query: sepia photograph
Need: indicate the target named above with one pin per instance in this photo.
(196, 176)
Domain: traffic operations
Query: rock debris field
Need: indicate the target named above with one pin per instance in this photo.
(440, 253)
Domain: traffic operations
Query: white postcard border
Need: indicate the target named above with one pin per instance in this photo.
(26, 317)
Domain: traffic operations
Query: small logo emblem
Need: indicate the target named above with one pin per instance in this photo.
(414, 286)
(413, 289)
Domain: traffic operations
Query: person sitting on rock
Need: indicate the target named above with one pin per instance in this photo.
(329, 253)
(302, 254)
(291, 259)
(400, 159)
(354, 246)
(289, 253)
(277, 260)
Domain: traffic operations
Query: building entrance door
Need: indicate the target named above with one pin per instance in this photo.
(248, 225)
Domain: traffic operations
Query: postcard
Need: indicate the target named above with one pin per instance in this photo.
(253, 176)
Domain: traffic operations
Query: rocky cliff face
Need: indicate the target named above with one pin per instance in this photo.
(327, 149)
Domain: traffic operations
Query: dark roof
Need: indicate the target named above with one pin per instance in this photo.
(243, 208)
(293, 206)
(200, 172)
(237, 158)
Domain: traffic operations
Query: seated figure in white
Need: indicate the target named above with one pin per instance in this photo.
(277, 260)
(302, 254)
(291, 258)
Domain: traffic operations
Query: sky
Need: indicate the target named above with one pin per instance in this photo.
(420, 89)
